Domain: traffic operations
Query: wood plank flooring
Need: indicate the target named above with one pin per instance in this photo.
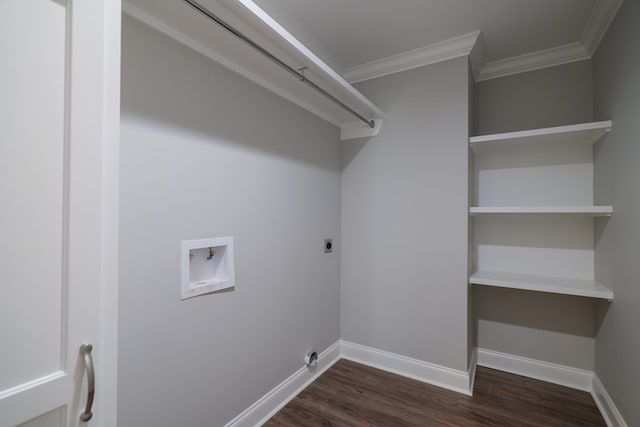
(351, 394)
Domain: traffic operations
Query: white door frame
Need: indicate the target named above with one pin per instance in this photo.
(99, 91)
(107, 351)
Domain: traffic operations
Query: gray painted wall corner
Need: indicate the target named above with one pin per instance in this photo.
(405, 219)
(617, 97)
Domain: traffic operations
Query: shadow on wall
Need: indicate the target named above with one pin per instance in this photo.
(350, 150)
(533, 231)
(564, 314)
(602, 308)
(498, 156)
(188, 91)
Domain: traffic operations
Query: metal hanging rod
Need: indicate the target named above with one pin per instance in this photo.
(299, 74)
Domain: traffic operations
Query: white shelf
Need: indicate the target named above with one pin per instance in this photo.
(557, 285)
(581, 210)
(181, 22)
(586, 133)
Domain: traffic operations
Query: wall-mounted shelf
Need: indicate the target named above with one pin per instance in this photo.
(557, 285)
(181, 22)
(583, 133)
(576, 210)
(533, 206)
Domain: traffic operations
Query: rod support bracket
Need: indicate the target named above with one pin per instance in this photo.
(301, 73)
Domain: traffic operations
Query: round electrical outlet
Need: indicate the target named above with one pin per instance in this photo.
(328, 246)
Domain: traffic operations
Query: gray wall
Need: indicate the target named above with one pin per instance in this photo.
(553, 328)
(404, 219)
(206, 153)
(549, 97)
(471, 323)
(617, 176)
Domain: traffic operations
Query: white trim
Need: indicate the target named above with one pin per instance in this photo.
(269, 404)
(23, 402)
(559, 55)
(437, 52)
(152, 22)
(107, 361)
(538, 283)
(287, 37)
(430, 373)
(255, 77)
(550, 372)
(590, 133)
(286, 21)
(476, 57)
(608, 409)
(575, 210)
(29, 385)
(462, 382)
(247, 8)
(601, 18)
(473, 366)
(471, 44)
(358, 129)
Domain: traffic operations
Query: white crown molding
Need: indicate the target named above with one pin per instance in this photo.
(471, 44)
(269, 404)
(608, 409)
(476, 57)
(601, 18)
(560, 55)
(420, 370)
(437, 52)
(550, 372)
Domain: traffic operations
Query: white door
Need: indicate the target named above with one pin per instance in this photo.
(59, 107)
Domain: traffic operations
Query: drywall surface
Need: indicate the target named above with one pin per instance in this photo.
(553, 328)
(206, 153)
(549, 97)
(404, 219)
(617, 178)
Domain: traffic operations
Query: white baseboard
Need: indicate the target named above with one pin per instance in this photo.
(459, 381)
(608, 409)
(412, 368)
(268, 405)
(537, 369)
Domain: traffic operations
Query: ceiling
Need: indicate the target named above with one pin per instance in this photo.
(350, 33)
(335, 43)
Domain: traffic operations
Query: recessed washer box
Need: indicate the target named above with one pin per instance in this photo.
(207, 266)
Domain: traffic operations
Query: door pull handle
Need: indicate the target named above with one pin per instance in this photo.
(85, 351)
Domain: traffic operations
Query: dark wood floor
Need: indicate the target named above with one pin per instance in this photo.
(350, 394)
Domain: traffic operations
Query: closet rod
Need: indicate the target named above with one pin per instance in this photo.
(299, 75)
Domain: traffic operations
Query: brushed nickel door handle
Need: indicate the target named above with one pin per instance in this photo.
(85, 351)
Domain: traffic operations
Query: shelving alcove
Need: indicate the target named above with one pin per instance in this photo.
(533, 210)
